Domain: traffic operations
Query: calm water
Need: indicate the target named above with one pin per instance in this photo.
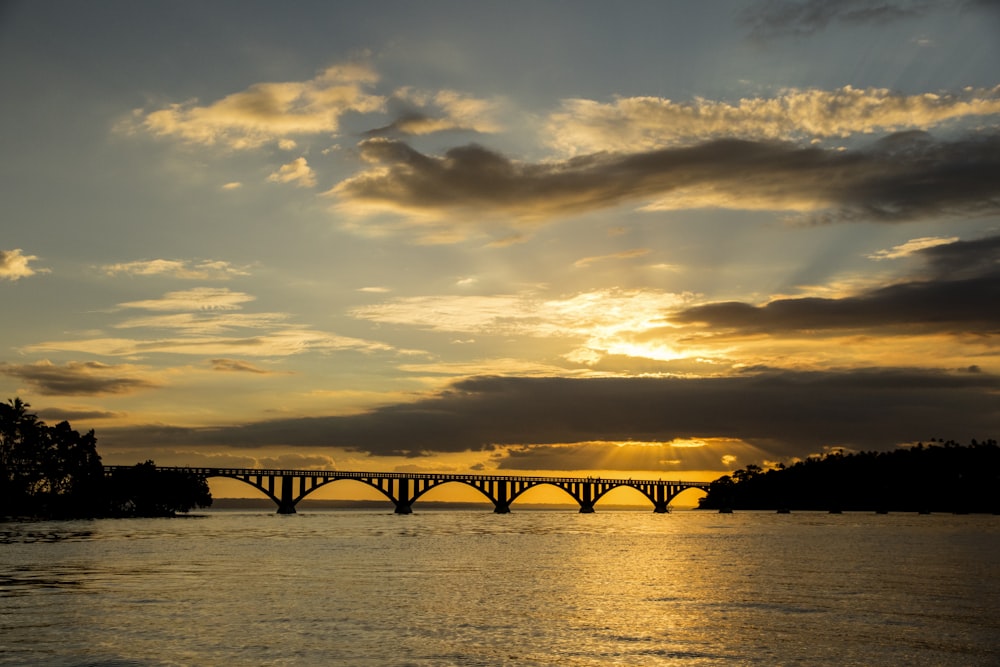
(529, 588)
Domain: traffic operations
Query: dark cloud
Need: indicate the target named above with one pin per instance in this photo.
(76, 378)
(60, 414)
(906, 176)
(781, 18)
(782, 413)
(958, 294)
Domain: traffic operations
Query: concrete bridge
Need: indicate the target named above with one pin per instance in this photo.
(287, 487)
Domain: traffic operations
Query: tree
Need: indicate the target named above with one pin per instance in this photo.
(54, 471)
(143, 490)
(46, 470)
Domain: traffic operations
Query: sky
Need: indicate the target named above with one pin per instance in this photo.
(641, 239)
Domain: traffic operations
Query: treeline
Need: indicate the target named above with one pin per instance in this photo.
(56, 472)
(938, 477)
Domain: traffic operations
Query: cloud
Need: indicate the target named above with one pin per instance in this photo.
(633, 124)
(780, 18)
(78, 378)
(419, 113)
(174, 268)
(284, 342)
(912, 246)
(297, 172)
(906, 176)
(76, 414)
(267, 112)
(236, 365)
(596, 323)
(957, 293)
(14, 265)
(584, 262)
(199, 298)
(781, 413)
(667, 457)
(204, 321)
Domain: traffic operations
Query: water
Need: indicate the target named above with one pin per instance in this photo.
(529, 588)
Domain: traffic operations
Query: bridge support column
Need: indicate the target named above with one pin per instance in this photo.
(404, 505)
(503, 498)
(660, 504)
(587, 498)
(287, 504)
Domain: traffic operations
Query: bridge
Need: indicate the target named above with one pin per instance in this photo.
(287, 487)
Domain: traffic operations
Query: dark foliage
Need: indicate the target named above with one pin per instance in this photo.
(939, 477)
(54, 471)
(47, 470)
(142, 490)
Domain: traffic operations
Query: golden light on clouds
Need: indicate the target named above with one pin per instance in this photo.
(297, 172)
(269, 112)
(649, 123)
(184, 269)
(14, 265)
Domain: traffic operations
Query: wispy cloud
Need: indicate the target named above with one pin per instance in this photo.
(79, 378)
(199, 298)
(912, 246)
(176, 268)
(14, 265)
(207, 321)
(236, 365)
(420, 112)
(768, 19)
(595, 323)
(280, 343)
(584, 262)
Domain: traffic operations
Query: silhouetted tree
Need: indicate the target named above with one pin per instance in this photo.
(54, 471)
(943, 476)
(46, 470)
(144, 490)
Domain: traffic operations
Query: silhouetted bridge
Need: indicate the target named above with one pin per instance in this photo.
(287, 487)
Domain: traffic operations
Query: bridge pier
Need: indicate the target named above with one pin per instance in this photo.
(502, 503)
(286, 505)
(587, 498)
(660, 501)
(403, 501)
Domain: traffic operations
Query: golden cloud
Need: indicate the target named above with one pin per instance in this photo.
(297, 172)
(648, 123)
(14, 265)
(184, 269)
(268, 112)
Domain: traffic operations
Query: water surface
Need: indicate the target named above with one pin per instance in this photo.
(529, 588)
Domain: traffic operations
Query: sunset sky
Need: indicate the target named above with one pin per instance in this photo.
(653, 239)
